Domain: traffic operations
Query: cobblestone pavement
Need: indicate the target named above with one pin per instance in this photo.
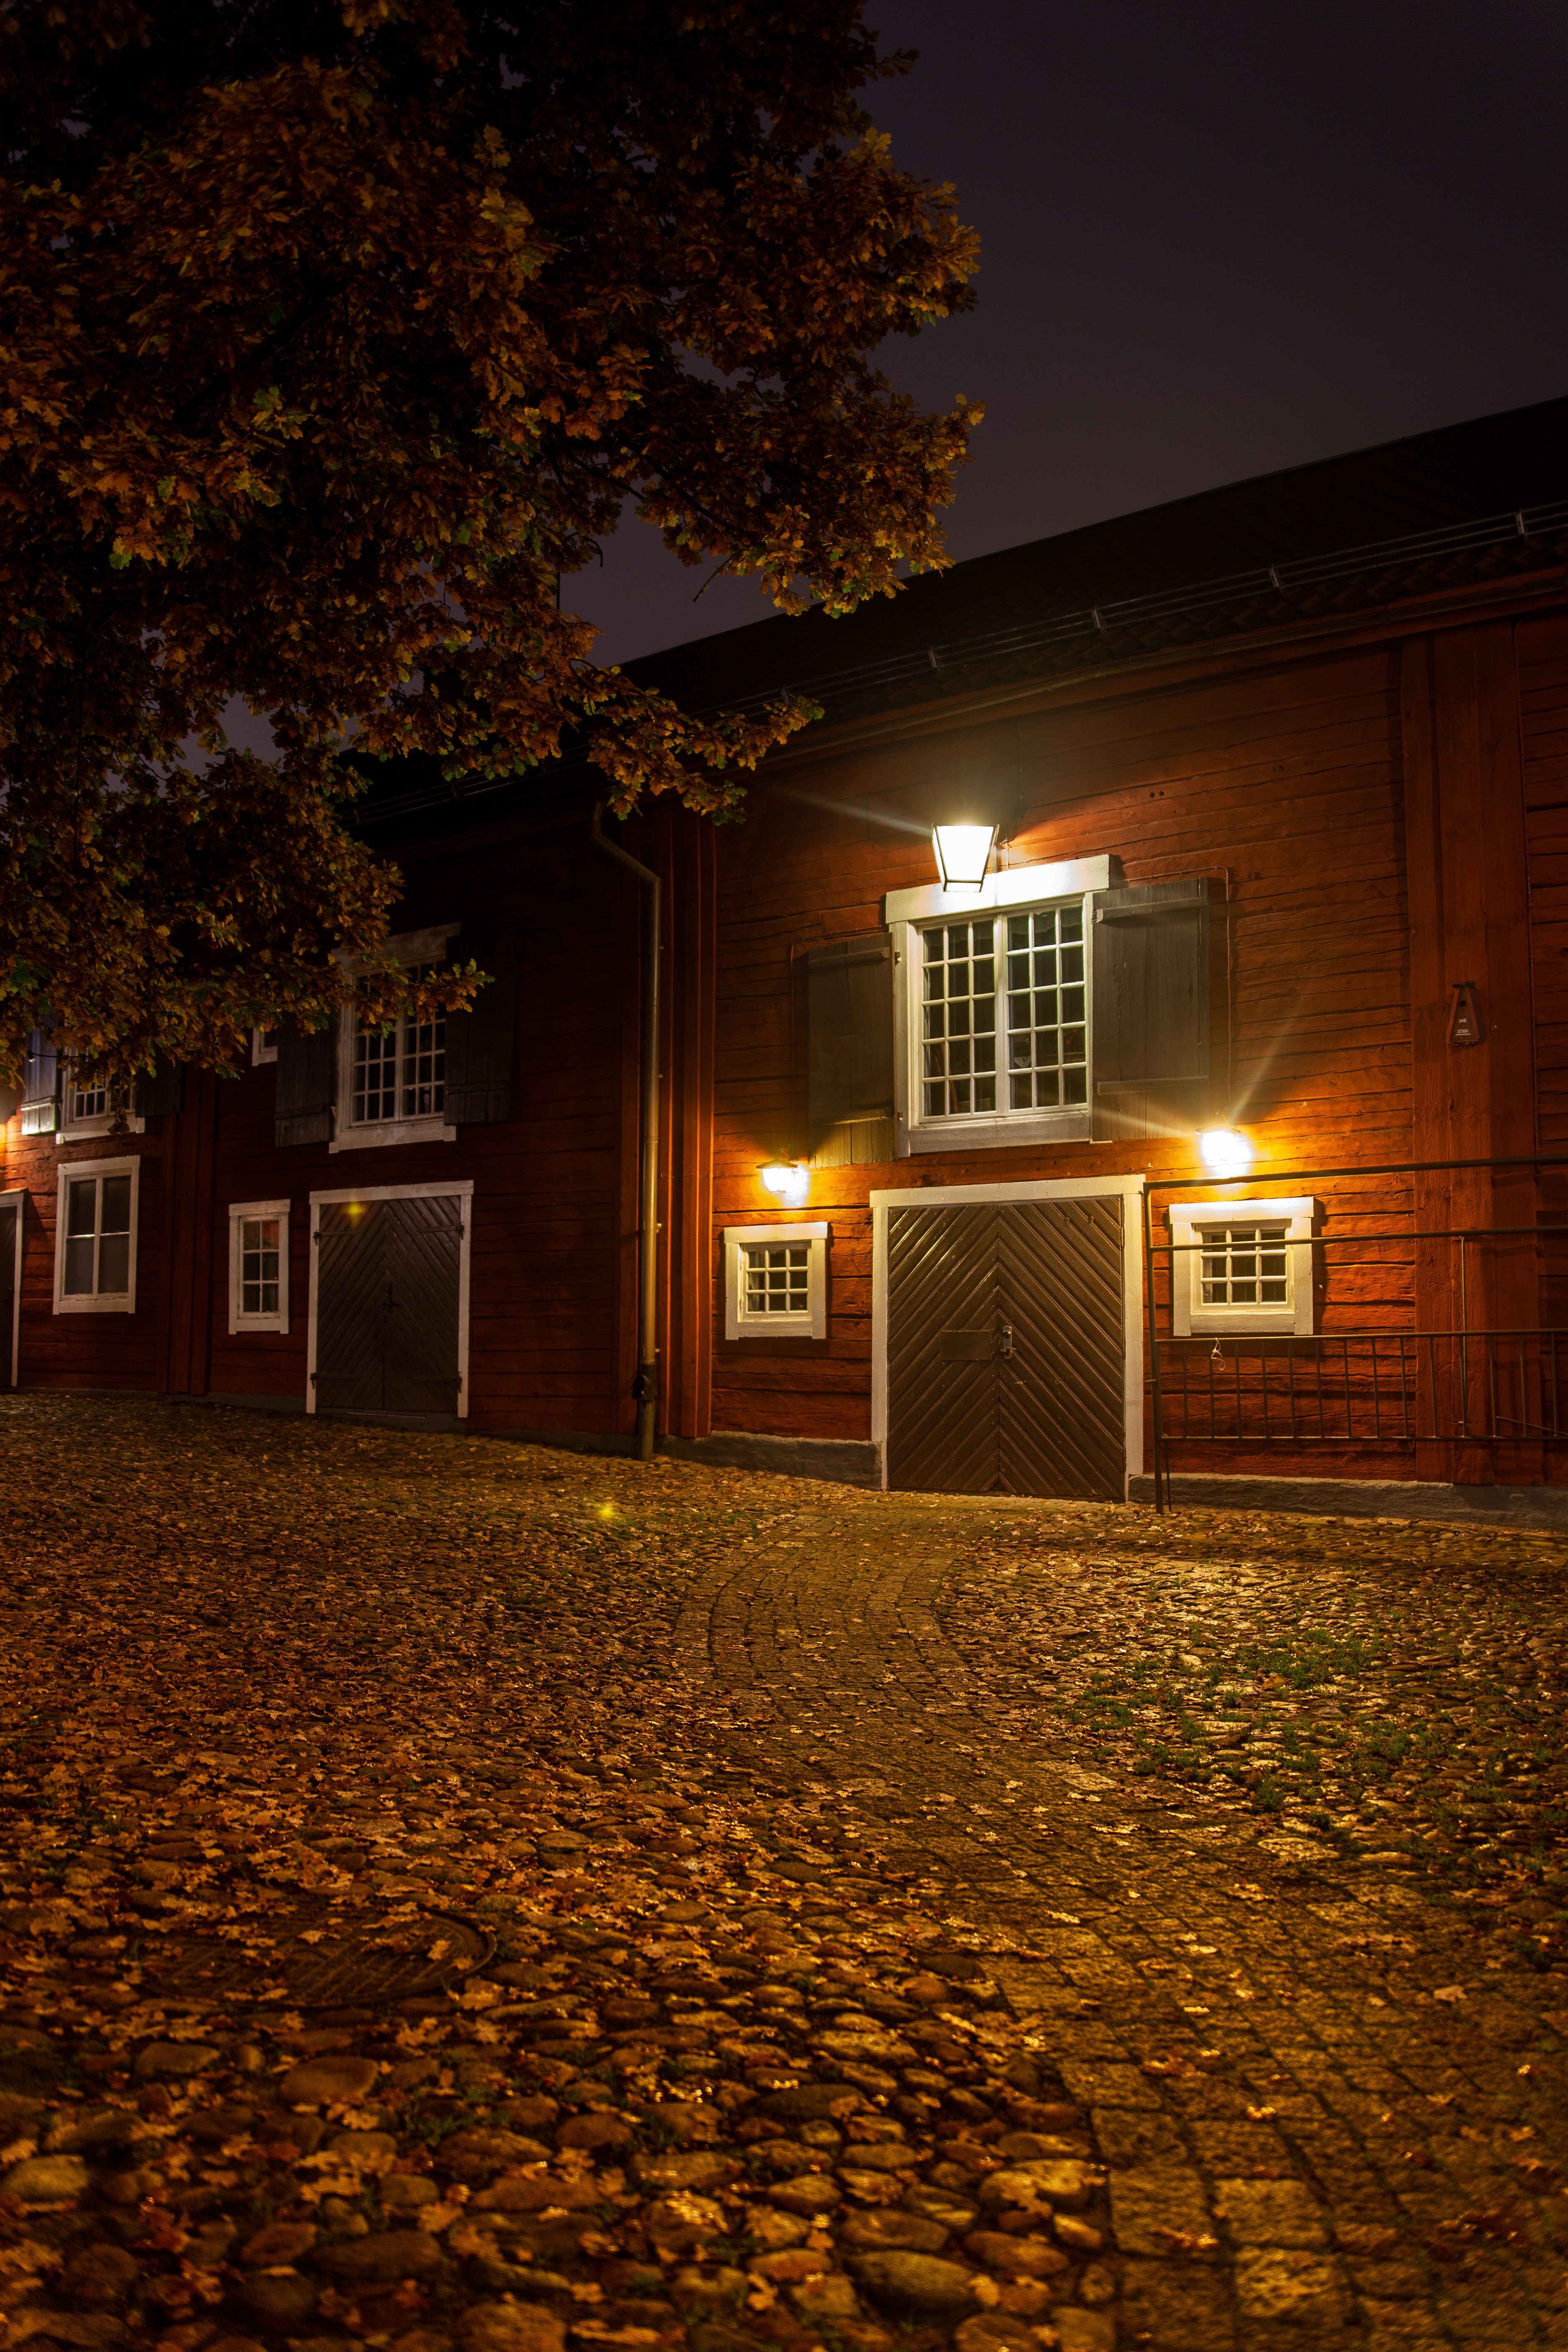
(1325, 2071)
(458, 1897)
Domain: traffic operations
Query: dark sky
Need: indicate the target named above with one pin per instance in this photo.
(1219, 236)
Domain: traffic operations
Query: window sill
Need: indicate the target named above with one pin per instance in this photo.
(986, 1132)
(1279, 1326)
(776, 1327)
(119, 1303)
(245, 1324)
(393, 1130)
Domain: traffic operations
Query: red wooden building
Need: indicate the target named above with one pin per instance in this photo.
(1279, 777)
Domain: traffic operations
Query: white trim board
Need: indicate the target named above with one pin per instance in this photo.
(462, 1188)
(18, 1192)
(1015, 885)
(1129, 1190)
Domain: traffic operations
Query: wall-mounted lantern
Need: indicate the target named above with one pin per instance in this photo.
(963, 853)
(1465, 1020)
(1226, 1153)
(789, 1183)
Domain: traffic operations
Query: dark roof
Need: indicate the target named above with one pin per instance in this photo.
(1467, 504)
(1470, 501)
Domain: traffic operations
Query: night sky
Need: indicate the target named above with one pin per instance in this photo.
(1219, 237)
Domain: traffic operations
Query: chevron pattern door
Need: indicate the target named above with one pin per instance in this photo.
(388, 1281)
(1004, 1349)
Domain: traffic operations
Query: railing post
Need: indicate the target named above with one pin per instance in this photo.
(1156, 1429)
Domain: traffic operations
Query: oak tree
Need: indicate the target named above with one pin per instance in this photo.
(334, 334)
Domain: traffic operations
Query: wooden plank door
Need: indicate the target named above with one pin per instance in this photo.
(10, 1212)
(424, 1281)
(350, 1307)
(1006, 1349)
(388, 1299)
(943, 1392)
(1063, 1425)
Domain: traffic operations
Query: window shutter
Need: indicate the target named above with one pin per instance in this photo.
(1150, 1007)
(160, 1091)
(849, 1051)
(41, 1085)
(307, 1084)
(481, 1044)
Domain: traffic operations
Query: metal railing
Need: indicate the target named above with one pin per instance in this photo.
(1470, 1382)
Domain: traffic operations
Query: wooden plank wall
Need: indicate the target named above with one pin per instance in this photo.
(94, 1352)
(1283, 783)
(1543, 744)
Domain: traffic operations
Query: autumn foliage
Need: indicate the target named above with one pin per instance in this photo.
(333, 339)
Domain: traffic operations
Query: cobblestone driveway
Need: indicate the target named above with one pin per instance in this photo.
(1325, 2071)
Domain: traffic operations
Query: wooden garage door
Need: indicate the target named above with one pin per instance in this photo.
(1004, 1349)
(388, 1296)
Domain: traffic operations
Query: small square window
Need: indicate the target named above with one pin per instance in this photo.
(1243, 1265)
(775, 1282)
(258, 1265)
(95, 1237)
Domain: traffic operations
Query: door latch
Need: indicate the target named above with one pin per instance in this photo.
(1005, 1343)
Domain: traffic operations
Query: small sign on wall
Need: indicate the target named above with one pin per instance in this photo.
(1465, 1020)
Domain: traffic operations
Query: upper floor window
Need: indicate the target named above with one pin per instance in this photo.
(393, 1081)
(90, 1106)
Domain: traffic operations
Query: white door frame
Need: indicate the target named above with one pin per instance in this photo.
(464, 1189)
(18, 1192)
(1129, 1190)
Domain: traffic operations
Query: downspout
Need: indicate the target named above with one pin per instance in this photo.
(645, 1388)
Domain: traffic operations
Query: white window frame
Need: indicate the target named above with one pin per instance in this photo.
(1192, 1317)
(12, 1340)
(461, 1189)
(1017, 890)
(117, 1302)
(239, 1320)
(428, 946)
(80, 1130)
(260, 1051)
(812, 1323)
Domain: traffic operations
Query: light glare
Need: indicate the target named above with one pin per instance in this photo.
(1226, 1153)
(789, 1184)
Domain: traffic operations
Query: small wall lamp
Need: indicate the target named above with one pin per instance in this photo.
(963, 853)
(789, 1183)
(1226, 1153)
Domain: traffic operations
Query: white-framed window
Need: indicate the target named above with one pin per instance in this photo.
(992, 1013)
(263, 1046)
(391, 1083)
(1242, 1265)
(95, 1237)
(258, 1265)
(89, 1108)
(775, 1282)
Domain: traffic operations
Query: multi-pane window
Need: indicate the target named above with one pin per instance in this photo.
(1048, 1041)
(778, 1277)
(85, 1101)
(1034, 1021)
(258, 1265)
(401, 1071)
(1245, 1266)
(958, 1017)
(260, 1247)
(95, 1241)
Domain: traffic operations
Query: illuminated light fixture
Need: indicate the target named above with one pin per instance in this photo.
(1226, 1154)
(789, 1183)
(963, 853)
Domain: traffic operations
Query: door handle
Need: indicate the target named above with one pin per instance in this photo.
(1005, 1340)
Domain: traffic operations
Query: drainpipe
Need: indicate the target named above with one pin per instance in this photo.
(645, 1388)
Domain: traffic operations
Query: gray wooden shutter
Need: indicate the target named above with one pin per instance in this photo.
(1150, 1008)
(481, 1044)
(160, 1091)
(41, 1085)
(849, 1052)
(307, 1084)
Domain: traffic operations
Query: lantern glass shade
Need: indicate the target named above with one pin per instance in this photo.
(963, 853)
(787, 1183)
(1227, 1154)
